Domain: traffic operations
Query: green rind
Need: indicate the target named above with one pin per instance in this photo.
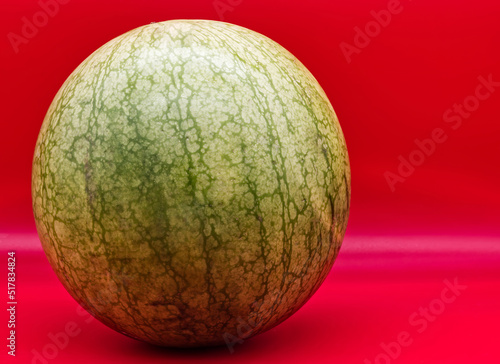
(189, 176)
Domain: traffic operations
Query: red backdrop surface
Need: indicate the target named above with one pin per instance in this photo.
(397, 73)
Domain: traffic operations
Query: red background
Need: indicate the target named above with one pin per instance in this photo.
(441, 222)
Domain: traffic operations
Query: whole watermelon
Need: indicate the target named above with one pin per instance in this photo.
(191, 183)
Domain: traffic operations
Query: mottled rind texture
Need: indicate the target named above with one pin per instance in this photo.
(191, 176)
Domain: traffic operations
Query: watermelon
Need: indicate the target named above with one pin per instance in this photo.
(191, 184)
